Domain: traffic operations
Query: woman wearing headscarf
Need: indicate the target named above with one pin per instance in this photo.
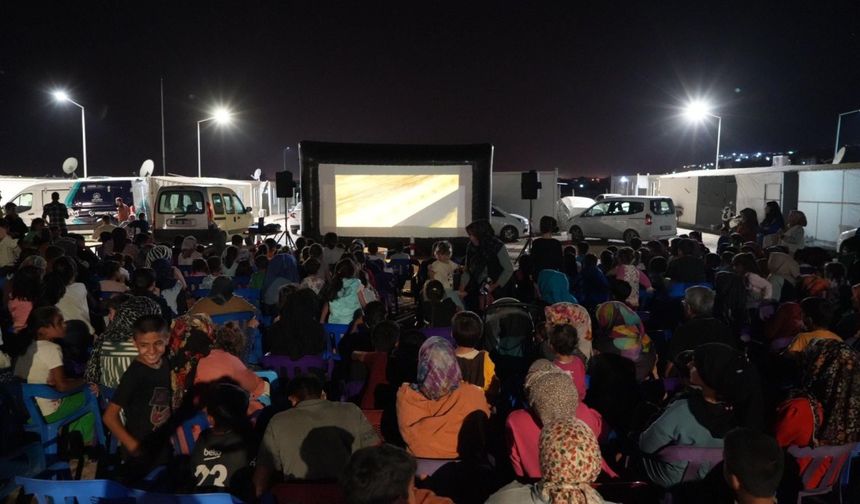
(191, 339)
(825, 411)
(487, 261)
(221, 300)
(793, 238)
(570, 463)
(164, 252)
(432, 411)
(554, 287)
(784, 272)
(114, 350)
(188, 253)
(282, 270)
(572, 314)
(552, 396)
(619, 330)
(727, 395)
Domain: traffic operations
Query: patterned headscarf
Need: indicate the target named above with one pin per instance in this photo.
(620, 331)
(832, 376)
(191, 338)
(552, 394)
(570, 463)
(438, 371)
(158, 252)
(120, 329)
(575, 315)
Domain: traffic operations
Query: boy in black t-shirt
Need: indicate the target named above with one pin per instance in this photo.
(144, 396)
(222, 460)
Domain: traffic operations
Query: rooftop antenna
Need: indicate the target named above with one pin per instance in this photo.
(147, 168)
(70, 165)
(257, 173)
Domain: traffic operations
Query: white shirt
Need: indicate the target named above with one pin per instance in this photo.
(35, 366)
(443, 272)
(74, 306)
(330, 257)
(9, 251)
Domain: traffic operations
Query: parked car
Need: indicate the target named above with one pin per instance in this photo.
(508, 226)
(203, 212)
(843, 237)
(625, 218)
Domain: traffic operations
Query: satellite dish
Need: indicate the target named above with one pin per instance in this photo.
(70, 165)
(146, 168)
(257, 173)
(840, 154)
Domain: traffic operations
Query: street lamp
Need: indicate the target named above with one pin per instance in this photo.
(697, 111)
(624, 181)
(221, 116)
(61, 97)
(838, 128)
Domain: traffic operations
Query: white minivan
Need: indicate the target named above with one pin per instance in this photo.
(626, 218)
(203, 212)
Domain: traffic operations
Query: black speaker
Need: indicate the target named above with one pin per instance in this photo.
(285, 186)
(529, 185)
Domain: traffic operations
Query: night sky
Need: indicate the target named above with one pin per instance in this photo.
(589, 87)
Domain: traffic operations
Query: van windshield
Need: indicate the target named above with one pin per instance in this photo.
(180, 202)
(662, 207)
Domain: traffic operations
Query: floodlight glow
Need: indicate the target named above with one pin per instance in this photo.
(697, 110)
(60, 96)
(222, 115)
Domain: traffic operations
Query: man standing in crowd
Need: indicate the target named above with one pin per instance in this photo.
(56, 213)
(122, 211)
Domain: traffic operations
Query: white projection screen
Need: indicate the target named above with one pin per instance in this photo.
(375, 200)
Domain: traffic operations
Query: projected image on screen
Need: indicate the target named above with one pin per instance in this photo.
(385, 200)
(420, 200)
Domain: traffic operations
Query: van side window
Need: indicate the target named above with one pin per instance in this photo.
(180, 202)
(217, 204)
(240, 208)
(598, 210)
(23, 202)
(228, 204)
(662, 207)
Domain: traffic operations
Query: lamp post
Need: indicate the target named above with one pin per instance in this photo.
(220, 116)
(839, 128)
(696, 111)
(62, 97)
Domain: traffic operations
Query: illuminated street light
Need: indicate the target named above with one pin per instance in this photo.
(62, 97)
(838, 128)
(221, 116)
(697, 111)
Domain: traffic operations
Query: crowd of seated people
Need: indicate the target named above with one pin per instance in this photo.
(562, 377)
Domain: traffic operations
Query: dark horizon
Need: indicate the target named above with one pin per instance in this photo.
(589, 89)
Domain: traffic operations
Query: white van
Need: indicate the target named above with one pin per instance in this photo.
(509, 227)
(626, 218)
(204, 212)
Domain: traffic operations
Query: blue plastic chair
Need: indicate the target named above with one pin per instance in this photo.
(255, 351)
(334, 333)
(272, 378)
(183, 439)
(233, 317)
(442, 332)
(201, 293)
(242, 282)
(193, 282)
(105, 396)
(143, 497)
(250, 295)
(60, 492)
(49, 432)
